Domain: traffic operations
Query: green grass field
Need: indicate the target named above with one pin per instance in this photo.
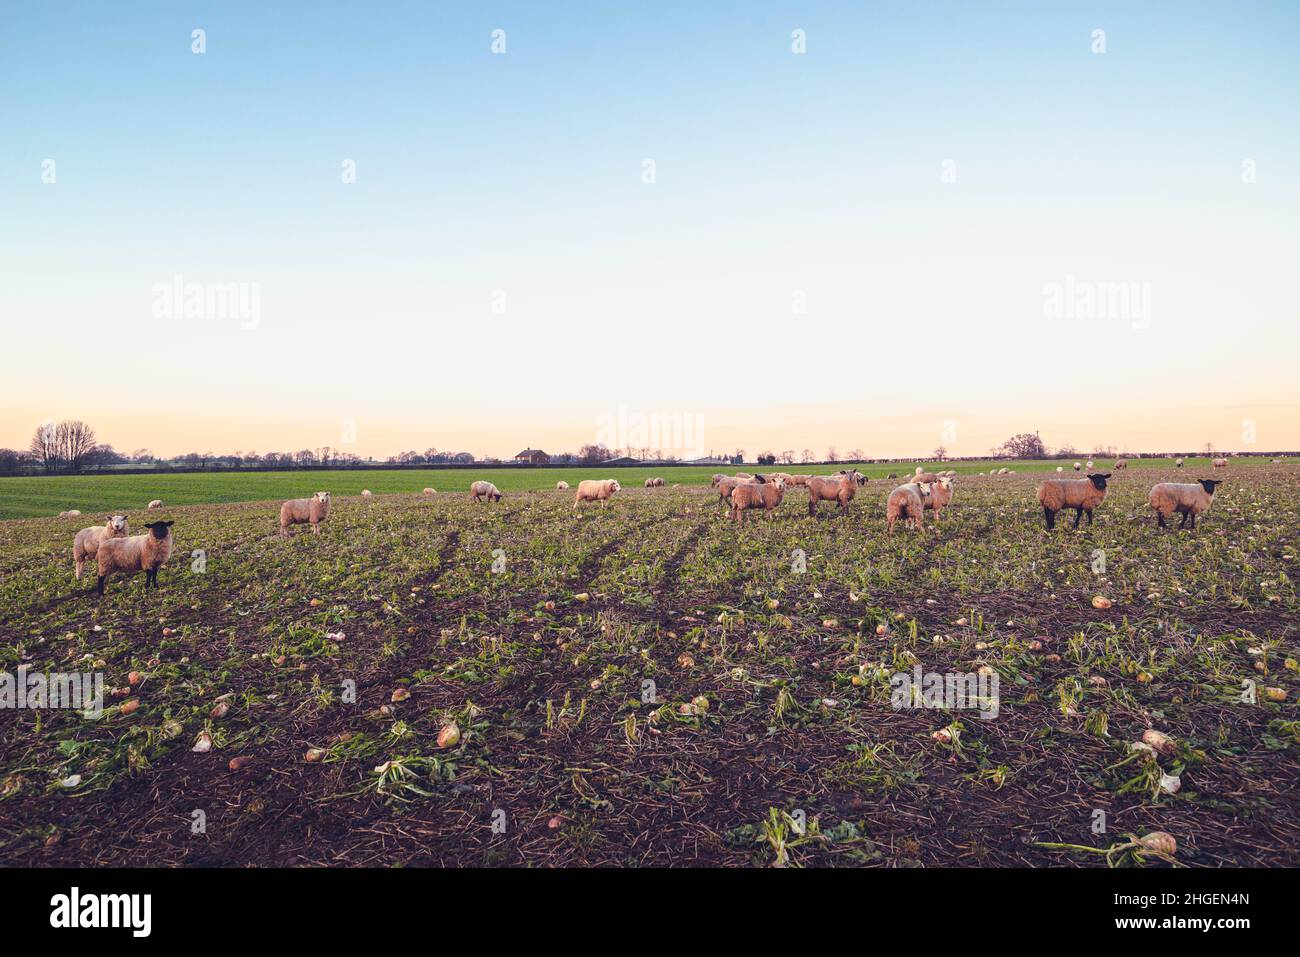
(36, 496)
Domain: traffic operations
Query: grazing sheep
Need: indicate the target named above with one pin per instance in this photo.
(86, 543)
(908, 503)
(365, 493)
(1082, 495)
(728, 483)
(430, 491)
(156, 503)
(1004, 471)
(892, 475)
(1220, 463)
(929, 478)
(561, 486)
(596, 490)
(1275, 461)
(1119, 464)
(744, 475)
(940, 496)
(799, 480)
(717, 477)
(654, 483)
(766, 495)
(70, 513)
(138, 553)
(484, 490)
(1088, 464)
(1178, 463)
(832, 488)
(1078, 466)
(299, 510)
(1190, 499)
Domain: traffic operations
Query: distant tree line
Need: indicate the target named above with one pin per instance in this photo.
(71, 446)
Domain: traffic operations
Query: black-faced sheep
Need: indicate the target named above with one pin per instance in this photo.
(137, 553)
(1082, 495)
(1191, 499)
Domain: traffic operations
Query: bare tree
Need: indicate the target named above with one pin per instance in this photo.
(75, 440)
(787, 457)
(940, 453)
(1026, 445)
(832, 455)
(44, 447)
(807, 456)
(855, 455)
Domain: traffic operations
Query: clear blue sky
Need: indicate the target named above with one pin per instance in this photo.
(775, 173)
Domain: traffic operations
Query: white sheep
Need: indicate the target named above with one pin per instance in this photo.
(430, 491)
(156, 503)
(596, 490)
(365, 493)
(70, 513)
(484, 490)
(86, 543)
(908, 503)
(561, 486)
(1220, 463)
(144, 553)
(296, 511)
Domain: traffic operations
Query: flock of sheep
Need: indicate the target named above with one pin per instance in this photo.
(113, 551)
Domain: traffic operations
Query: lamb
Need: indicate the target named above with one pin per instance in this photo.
(430, 491)
(799, 480)
(833, 488)
(654, 483)
(717, 477)
(1088, 464)
(1004, 471)
(484, 490)
(365, 493)
(940, 496)
(766, 495)
(138, 553)
(298, 510)
(70, 513)
(1082, 495)
(1078, 466)
(86, 543)
(596, 490)
(561, 486)
(156, 503)
(854, 474)
(1220, 463)
(743, 475)
(1178, 463)
(922, 475)
(1120, 464)
(1191, 499)
(908, 503)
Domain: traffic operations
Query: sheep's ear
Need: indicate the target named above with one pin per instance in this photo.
(169, 523)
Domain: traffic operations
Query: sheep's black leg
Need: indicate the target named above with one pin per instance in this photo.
(1050, 516)
(1089, 516)
(1078, 514)
(1160, 519)
(1183, 523)
(1193, 517)
(99, 587)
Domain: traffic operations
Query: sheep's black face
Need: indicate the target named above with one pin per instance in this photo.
(1210, 485)
(160, 529)
(1099, 480)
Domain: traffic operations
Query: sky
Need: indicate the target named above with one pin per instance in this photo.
(940, 224)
